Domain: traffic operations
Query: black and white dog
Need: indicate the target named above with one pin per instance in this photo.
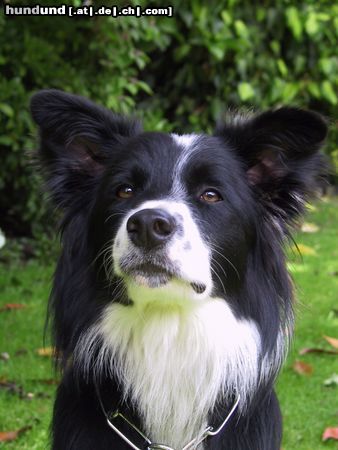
(171, 304)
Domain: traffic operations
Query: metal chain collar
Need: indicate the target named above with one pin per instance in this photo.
(148, 445)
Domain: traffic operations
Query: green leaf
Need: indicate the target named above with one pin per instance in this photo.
(311, 24)
(241, 29)
(275, 47)
(314, 90)
(132, 88)
(282, 67)
(217, 51)
(202, 16)
(226, 17)
(216, 108)
(140, 59)
(329, 93)
(327, 65)
(245, 91)
(6, 109)
(260, 14)
(5, 140)
(182, 51)
(290, 91)
(145, 87)
(294, 21)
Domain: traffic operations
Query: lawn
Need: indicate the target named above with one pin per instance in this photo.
(309, 406)
(27, 382)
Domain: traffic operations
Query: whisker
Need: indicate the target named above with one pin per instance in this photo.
(226, 259)
(113, 215)
(105, 248)
(214, 271)
(118, 289)
(221, 267)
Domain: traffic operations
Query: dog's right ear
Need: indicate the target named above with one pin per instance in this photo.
(76, 140)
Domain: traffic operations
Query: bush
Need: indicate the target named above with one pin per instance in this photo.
(181, 72)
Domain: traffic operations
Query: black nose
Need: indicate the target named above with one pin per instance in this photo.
(150, 228)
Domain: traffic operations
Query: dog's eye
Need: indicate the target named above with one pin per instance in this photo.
(211, 196)
(125, 191)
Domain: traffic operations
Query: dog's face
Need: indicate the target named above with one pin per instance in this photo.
(178, 217)
(173, 212)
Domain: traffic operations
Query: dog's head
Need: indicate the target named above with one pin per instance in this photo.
(177, 217)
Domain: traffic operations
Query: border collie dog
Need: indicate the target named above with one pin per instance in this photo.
(171, 303)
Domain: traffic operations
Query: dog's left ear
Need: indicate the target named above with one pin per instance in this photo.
(280, 152)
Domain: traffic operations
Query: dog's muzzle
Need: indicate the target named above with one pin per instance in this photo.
(160, 243)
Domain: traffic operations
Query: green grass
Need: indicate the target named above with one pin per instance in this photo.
(21, 335)
(308, 407)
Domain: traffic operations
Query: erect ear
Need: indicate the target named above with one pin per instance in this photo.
(280, 152)
(76, 140)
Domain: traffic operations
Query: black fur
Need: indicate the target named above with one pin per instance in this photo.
(265, 166)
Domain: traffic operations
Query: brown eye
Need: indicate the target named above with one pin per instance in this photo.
(211, 196)
(125, 191)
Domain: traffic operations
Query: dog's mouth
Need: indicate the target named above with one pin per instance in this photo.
(156, 275)
(153, 275)
(149, 274)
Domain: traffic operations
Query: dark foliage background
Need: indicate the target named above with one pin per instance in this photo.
(177, 73)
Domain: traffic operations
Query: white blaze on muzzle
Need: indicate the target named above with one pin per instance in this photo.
(177, 247)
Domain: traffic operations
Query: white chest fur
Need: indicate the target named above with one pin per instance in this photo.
(174, 364)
